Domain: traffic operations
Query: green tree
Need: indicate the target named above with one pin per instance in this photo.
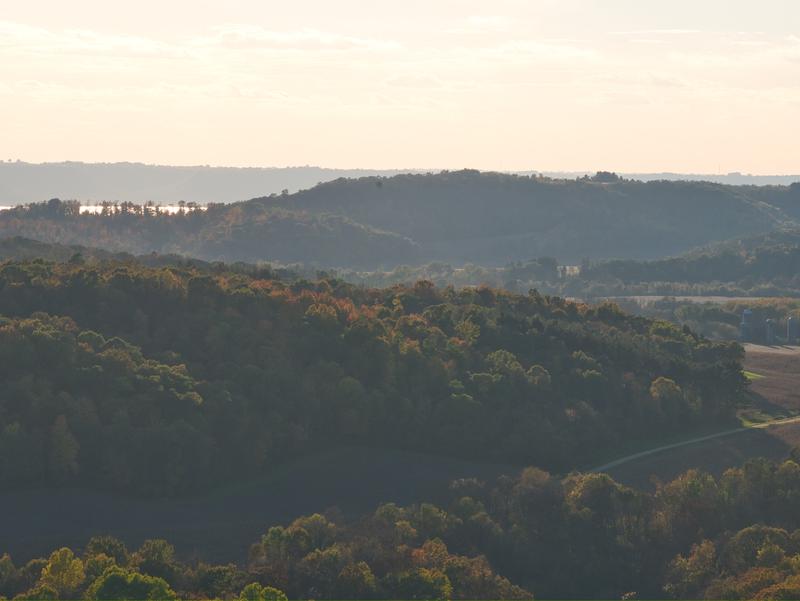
(687, 576)
(8, 574)
(356, 581)
(110, 546)
(256, 592)
(423, 583)
(118, 584)
(63, 572)
(156, 557)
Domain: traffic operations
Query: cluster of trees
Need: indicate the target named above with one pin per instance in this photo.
(106, 570)
(75, 404)
(384, 222)
(582, 536)
(18, 248)
(313, 557)
(586, 536)
(721, 321)
(761, 266)
(543, 273)
(166, 379)
(765, 276)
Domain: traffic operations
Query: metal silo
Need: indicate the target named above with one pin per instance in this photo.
(769, 333)
(746, 327)
(792, 330)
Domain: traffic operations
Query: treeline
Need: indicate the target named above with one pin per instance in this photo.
(581, 537)
(544, 274)
(762, 266)
(162, 380)
(721, 321)
(313, 557)
(765, 265)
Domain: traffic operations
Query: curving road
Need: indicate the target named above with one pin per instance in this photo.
(683, 443)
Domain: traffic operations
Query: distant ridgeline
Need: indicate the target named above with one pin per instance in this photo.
(459, 217)
(164, 379)
(22, 182)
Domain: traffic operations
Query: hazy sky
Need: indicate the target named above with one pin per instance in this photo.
(628, 85)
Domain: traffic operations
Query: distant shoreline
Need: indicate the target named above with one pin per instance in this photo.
(22, 182)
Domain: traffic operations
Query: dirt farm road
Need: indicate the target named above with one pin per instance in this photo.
(683, 443)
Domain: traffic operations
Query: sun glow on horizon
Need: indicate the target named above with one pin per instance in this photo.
(570, 85)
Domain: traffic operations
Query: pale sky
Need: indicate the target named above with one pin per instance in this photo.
(628, 85)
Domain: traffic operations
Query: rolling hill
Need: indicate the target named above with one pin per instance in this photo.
(459, 217)
(492, 218)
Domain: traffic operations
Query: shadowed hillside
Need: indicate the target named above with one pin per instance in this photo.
(492, 218)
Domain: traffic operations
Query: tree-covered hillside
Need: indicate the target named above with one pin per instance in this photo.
(382, 222)
(762, 265)
(492, 218)
(224, 374)
(237, 232)
(758, 259)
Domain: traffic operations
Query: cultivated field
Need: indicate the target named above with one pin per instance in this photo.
(777, 370)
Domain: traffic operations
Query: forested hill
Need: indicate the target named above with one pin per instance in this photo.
(491, 218)
(165, 380)
(238, 232)
(761, 265)
(381, 222)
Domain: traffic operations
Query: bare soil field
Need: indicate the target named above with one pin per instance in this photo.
(779, 368)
